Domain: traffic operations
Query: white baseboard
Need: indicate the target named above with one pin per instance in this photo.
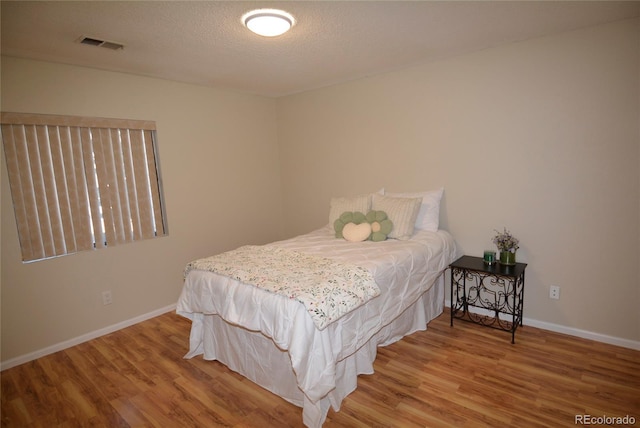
(84, 338)
(598, 337)
(557, 328)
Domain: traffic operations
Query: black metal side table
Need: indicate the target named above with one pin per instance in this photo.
(497, 291)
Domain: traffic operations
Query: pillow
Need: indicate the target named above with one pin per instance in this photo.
(381, 226)
(349, 217)
(356, 227)
(338, 206)
(401, 211)
(429, 214)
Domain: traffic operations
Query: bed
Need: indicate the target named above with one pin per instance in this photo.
(274, 341)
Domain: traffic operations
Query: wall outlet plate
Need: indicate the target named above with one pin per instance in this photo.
(554, 292)
(107, 298)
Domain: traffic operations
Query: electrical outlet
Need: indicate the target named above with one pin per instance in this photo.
(554, 292)
(107, 299)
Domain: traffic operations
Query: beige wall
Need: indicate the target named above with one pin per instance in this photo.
(540, 136)
(220, 167)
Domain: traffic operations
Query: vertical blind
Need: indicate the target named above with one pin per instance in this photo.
(82, 183)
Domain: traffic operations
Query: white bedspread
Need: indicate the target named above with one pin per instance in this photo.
(404, 271)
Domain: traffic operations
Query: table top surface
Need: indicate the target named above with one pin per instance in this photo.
(477, 264)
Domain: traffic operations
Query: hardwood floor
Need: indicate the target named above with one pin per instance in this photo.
(465, 376)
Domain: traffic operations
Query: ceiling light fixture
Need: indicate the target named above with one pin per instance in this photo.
(268, 22)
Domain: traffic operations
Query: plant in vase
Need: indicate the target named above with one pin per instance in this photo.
(508, 245)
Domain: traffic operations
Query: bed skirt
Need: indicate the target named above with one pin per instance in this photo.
(236, 347)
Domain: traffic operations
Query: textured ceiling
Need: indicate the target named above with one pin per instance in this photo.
(333, 41)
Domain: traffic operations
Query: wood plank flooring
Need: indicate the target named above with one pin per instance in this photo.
(461, 376)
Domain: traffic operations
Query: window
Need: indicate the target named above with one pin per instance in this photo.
(82, 183)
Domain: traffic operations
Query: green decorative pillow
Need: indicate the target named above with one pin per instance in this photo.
(381, 225)
(355, 224)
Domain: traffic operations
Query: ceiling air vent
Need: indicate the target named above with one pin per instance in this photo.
(92, 41)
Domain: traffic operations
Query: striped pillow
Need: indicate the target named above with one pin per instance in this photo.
(401, 211)
(338, 206)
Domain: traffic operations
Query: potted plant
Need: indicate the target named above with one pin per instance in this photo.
(507, 245)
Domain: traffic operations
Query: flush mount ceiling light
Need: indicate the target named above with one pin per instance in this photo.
(268, 22)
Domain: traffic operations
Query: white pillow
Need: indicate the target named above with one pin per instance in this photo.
(338, 206)
(429, 214)
(401, 211)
